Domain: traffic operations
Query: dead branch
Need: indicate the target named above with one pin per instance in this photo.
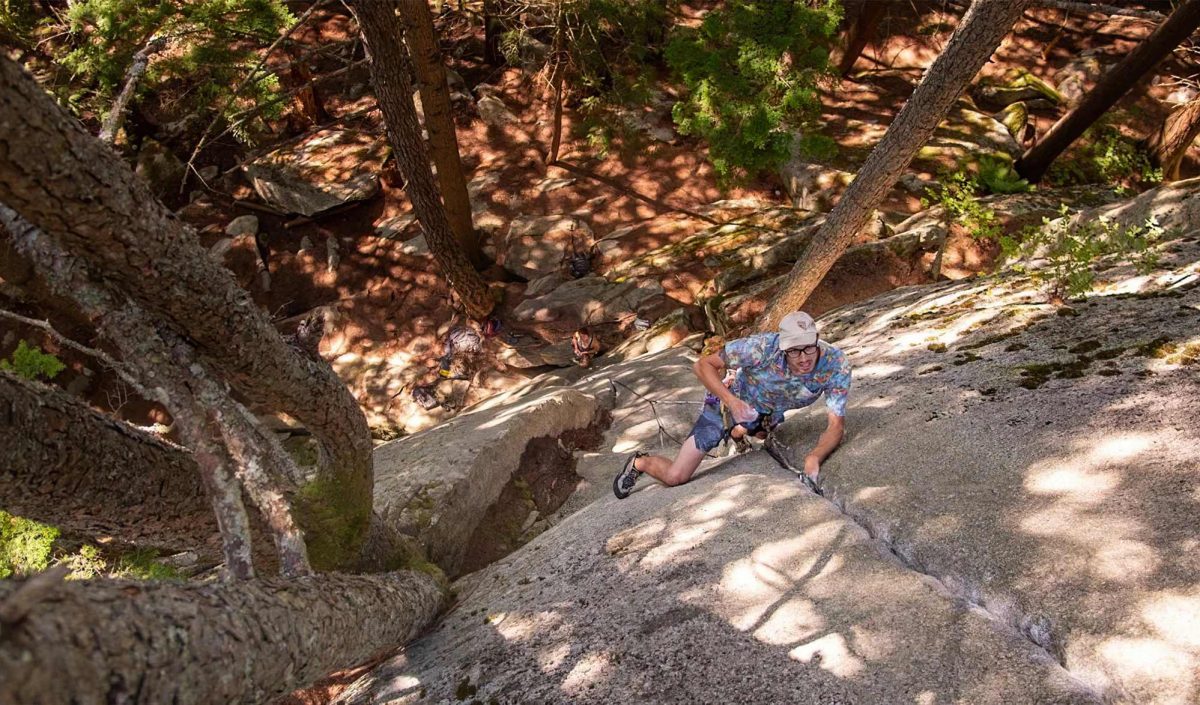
(116, 116)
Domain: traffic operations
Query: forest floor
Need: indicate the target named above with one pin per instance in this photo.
(392, 308)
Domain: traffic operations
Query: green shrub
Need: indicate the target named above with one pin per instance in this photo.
(1070, 249)
(1104, 156)
(957, 193)
(30, 362)
(752, 70)
(213, 44)
(25, 545)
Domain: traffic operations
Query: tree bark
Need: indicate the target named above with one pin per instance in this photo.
(1112, 86)
(216, 428)
(381, 33)
(165, 642)
(982, 28)
(94, 207)
(493, 27)
(439, 122)
(66, 464)
(1170, 143)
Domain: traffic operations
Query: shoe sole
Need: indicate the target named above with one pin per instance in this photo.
(617, 479)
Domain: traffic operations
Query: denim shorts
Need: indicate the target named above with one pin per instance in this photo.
(709, 430)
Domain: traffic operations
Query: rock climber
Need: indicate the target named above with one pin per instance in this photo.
(776, 372)
(584, 346)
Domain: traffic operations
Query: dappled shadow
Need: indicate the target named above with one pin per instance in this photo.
(740, 586)
(1044, 466)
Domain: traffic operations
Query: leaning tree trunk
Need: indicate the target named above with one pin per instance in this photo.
(92, 206)
(1170, 143)
(381, 33)
(164, 642)
(439, 122)
(980, 32)
(66, 464)
(1112, 86)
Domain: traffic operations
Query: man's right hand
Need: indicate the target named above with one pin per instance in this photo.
(742, 412)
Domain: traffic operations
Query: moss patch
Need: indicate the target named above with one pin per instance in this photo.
(335, 514)
(26, 546)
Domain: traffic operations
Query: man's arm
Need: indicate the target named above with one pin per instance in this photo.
(710, 370)
(829, 440)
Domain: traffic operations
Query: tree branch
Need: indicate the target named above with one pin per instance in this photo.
(116, 116)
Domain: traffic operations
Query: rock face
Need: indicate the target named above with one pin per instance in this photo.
(812, 186)
(540, 245)
(435, 486)
(1011, 518)
(590, 300)
(741, 586)
(1078, 76)
(327, 169)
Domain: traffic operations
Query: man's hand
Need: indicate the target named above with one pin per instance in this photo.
(742, 412)
(812, 465)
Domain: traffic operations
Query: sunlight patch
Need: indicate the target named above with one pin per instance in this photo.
(793, 621)
(1077, 483)
(1125, 561)
(831, 653)
(1149, 661)
(1177, 618)
(588, 670)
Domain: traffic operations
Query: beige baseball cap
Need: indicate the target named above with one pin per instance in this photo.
(797, 330)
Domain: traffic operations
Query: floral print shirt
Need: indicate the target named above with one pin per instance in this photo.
(764, 381)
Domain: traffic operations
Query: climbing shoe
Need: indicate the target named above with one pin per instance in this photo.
(625, 480)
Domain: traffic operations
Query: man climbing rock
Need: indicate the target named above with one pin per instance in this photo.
(776, 372)
(584, 346)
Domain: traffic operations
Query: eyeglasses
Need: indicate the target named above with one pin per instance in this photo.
(806, 350)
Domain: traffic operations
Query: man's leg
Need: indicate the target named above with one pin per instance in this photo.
(673, 472)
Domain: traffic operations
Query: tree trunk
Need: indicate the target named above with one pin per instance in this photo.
(381, 33)
(1112, 86)
(979, 33)
(493, 27)
(557, 78)
(1170, 143)
(864, 30)
(66, 464)
(94, 207)
(439, 121)
(165, 642)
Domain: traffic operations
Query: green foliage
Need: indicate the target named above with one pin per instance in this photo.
(752, 70)
(1104, 156)
(607, 47)
(957, 194)
(25, 545)
(1069, 249)
(30, 362)
(212, 47)
(997, 175)
(17, 20)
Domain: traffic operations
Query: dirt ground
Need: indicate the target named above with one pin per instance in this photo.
(390, 308)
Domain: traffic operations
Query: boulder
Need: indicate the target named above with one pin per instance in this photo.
(326, 169)
(160, 168)
(493, 111)
(1079, 75)
(242, 225)
(589, 300)
(436, 485)
(1018, 86)
(813, 187)
(965, 134)
(544, 285)
(395, 227)
(667, 332)
(527, 356)
(539, 245)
